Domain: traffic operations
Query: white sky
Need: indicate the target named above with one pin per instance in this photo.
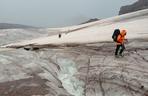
(57, 13)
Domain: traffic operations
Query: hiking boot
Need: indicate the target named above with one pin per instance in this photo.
(121, 55)
(117, 56)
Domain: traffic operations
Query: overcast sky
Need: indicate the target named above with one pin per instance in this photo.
(57, 13)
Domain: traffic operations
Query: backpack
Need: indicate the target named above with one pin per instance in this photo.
(115, 34)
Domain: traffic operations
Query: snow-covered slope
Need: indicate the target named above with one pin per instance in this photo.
(135, 24)
(8, 36)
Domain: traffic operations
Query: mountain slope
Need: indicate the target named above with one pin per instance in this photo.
(84, 64)
(13, 26)
(139, 5)
(98, 31)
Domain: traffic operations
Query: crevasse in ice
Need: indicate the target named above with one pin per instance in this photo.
(69, 82)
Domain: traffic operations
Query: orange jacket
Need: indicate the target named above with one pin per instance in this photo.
(121, 37)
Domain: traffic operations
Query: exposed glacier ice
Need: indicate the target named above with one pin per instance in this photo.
(69, 81)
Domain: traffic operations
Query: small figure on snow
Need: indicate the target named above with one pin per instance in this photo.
(59, 35)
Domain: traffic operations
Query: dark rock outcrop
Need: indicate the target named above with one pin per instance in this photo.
(90, 20)
(139, 5)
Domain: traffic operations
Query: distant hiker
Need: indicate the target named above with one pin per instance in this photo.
(119, 38)
(59, 35)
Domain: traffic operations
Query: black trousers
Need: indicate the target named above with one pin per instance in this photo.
(121, 47)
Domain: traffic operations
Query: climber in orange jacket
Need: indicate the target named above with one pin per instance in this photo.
(120, 43)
